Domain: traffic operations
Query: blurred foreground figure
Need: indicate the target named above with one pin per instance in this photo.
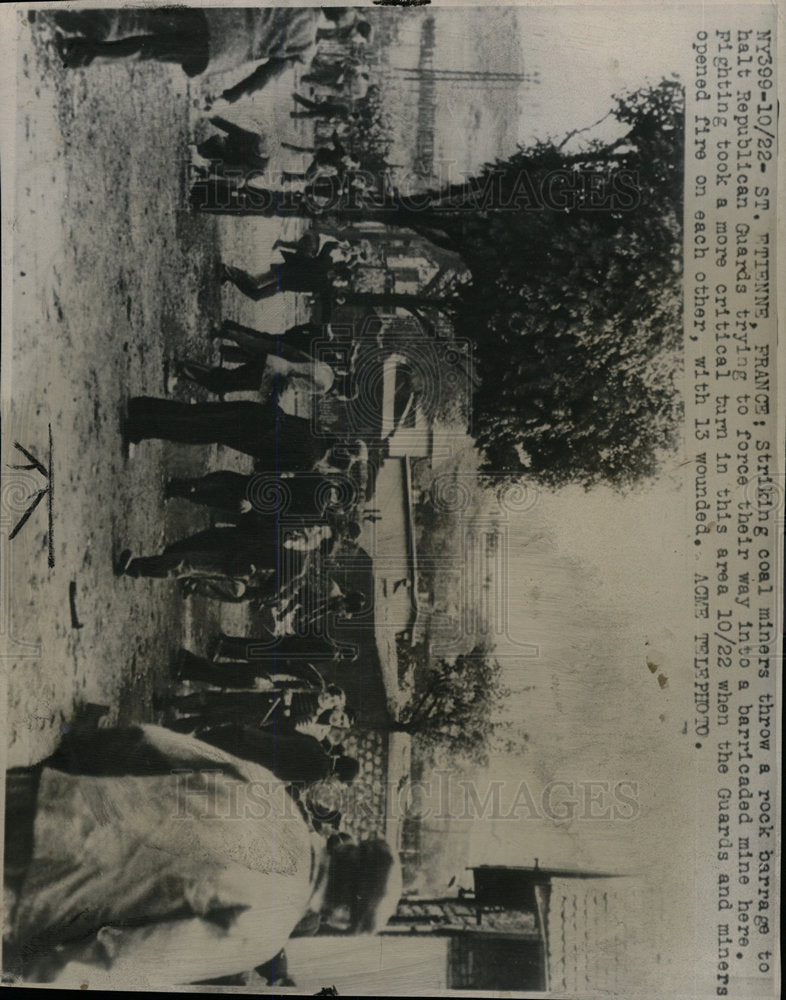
(142, 856)
(200, 40)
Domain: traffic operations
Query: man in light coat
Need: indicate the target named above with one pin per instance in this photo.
(142, 857)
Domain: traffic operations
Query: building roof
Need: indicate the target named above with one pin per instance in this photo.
(390, 541)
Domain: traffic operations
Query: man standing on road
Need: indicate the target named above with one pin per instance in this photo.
(277, 440)
(201, 40)
(314, 275)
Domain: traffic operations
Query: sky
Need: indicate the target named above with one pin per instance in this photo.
(597, 56)
(582, 59)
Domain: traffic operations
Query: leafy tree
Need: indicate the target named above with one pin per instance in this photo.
(579, 354)
(370, 135)
(456, 706)
(574, 301)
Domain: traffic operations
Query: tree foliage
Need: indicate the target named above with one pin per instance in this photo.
(576, 314)
(575, 311)
(574, 302)
(371, 134)
(456, 705)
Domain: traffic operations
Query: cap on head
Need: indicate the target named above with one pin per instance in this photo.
(341, 718)
(341, 837)
(335, 13)
(354, 602)
(346, 769)
(378, 887)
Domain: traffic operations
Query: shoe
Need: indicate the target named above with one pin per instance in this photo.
(171, 376)
(123, 562)
(130, 437)
(87, 716)
(160, 702)
(176, 666)
(197, 59)
(193, 370)
(74, 52)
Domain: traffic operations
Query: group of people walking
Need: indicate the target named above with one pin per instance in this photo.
(211, 42)
(240, 156)
(296, 728)
(277, 539)
(191, 851)
(207, 40)
(254, 552)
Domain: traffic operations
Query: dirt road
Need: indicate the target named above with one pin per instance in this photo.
(114, 278)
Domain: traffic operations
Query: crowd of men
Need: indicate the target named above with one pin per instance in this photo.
(190, 851)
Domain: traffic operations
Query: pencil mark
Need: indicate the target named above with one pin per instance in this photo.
(35, 499)
(75, 623)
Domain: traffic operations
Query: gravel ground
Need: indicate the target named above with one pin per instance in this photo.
(113, 279)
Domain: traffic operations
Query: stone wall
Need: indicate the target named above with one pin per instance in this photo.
(365, 807)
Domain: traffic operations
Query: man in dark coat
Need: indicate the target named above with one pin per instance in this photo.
(234, 553)
(292, 756)
(315, 275)
(237, 150)
(243, 674)
(340, 108)
(286, 500)
(208, 39)
(277, 440)
(296, 341)
(314, 647)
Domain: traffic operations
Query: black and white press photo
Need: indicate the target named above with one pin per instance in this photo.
(392, 498)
